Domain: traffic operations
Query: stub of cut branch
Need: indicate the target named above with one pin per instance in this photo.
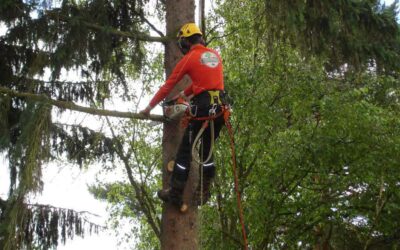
(75, 107)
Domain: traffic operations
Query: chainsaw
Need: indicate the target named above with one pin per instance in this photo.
(175, 109)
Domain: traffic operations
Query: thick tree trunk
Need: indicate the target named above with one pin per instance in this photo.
(178, 231)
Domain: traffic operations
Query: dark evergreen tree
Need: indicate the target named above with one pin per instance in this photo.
(97, 39)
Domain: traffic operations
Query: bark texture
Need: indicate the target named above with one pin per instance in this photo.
(178, 231)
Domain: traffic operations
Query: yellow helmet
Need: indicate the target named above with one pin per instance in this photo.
(189, 29)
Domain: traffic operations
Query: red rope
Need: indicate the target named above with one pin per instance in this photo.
(238, 198)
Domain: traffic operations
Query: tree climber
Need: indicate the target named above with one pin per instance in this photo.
(206, 92)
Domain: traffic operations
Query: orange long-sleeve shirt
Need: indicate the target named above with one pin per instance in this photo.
(204, 67)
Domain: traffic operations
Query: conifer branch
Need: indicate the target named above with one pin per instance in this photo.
(134, 35)
(75, 107)
(22, 80)
(138, 35)
(43, 206)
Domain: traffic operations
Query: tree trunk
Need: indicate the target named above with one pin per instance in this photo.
(178, 231)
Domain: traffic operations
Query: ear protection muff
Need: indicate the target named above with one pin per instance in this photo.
(183, 45)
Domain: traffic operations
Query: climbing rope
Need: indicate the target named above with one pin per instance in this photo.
(238, 196)
(197, 139)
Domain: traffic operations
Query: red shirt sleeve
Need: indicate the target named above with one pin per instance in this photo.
(179, 71)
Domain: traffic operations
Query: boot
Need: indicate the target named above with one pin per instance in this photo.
(171, 195)
(174, 193)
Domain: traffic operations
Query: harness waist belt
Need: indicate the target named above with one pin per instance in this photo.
(209, 97)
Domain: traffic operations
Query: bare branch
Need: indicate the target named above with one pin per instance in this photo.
(222, 36)
(73, 106)
(144, 19)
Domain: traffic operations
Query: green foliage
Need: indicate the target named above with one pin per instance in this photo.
(316, 149)
(34, 136)
(355, 32)
(133, 198)
(81, 145)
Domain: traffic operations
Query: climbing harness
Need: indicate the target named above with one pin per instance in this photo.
(208, 121)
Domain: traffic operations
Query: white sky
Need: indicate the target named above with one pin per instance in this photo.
(388, 1)
(67, 187)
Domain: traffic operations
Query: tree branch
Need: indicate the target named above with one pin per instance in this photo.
(140, 36)
(135, 35)
(22, 79)
(141, 195)
(41, 206)
(73, 106)
(221, 36)
(144, 19)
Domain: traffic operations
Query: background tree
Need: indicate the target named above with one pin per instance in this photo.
(316, 139)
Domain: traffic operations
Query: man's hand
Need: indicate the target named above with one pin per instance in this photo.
(146, 111)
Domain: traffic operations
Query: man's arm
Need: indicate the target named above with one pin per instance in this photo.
(179, 71)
